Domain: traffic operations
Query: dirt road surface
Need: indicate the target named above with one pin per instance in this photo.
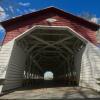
(52, 93)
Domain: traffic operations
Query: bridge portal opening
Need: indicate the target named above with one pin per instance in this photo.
(56, 50)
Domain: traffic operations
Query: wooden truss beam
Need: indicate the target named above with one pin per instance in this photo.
(36, 63)
(49, 44)
(67, 48)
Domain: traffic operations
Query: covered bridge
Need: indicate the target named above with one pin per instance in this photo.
(49, 40)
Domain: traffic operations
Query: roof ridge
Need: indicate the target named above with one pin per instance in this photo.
(47, 8)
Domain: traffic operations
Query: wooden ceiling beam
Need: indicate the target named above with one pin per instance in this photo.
(36, 63)
(67, 48)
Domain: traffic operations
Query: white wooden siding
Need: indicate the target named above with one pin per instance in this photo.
(90, 67)
(5, 53)
(14, 75)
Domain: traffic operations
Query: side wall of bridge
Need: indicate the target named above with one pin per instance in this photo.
(14, 74)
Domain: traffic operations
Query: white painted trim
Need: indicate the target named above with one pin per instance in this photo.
(53, 27)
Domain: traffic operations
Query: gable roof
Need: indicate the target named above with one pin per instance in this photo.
(50, 9)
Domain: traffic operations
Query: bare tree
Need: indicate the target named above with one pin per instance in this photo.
(87, 15)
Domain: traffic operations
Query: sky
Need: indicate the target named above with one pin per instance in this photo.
(13, 8)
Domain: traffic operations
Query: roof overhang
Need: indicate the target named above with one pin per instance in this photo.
(92, 25)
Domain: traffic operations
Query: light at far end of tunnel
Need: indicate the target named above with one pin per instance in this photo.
(48, 75)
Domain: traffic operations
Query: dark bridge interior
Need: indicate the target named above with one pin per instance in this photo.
(54, 50)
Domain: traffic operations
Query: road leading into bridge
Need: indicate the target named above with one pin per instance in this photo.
(52, 93)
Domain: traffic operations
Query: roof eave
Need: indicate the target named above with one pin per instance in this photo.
(3, 23)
